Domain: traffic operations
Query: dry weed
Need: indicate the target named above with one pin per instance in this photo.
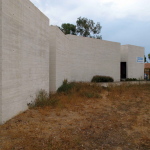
(85, 117)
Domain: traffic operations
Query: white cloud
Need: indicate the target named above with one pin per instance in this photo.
(62, 11)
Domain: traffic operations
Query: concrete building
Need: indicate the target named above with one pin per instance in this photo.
(132, 61)
(34, 56)
(80, 58)
(24, 55)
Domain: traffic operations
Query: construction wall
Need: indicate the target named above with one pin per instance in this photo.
(80, 58)
(25, 55)
(129, 54)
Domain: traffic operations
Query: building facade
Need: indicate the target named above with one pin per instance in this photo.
(34, 56)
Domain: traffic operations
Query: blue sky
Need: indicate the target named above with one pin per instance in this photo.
(123, 21)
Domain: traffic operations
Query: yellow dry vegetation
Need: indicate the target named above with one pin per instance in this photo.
(86, 117)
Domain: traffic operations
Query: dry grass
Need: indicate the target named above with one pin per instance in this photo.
(86, 117)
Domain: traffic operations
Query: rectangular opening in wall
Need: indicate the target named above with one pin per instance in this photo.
(123, 70)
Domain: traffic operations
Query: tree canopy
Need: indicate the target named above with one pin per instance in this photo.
(68, 28)
(87, 28)
(145, 58)
(84, 27)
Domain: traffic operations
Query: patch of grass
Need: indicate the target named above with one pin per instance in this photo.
(43, 99)
(65, 87)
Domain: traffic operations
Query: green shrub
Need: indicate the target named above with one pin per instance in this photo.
(42, 99)
(98, 78)
(65, 87)
(131, 79)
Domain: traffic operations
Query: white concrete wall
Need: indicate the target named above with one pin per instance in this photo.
(0, 61)
(34, 56)
(90, 57)
(124, 53)
(135, 70)
(129, 53)
(52, 56)
(25, 55)
(63, 59)
(59, 58)
(80, 58)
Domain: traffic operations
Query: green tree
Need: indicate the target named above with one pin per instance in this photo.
(145, 58)
(68, 28)
(87, 28)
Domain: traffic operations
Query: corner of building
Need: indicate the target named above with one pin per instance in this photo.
(129, 55)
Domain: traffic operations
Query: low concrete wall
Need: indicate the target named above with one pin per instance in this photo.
(106, 84)
(25, 55)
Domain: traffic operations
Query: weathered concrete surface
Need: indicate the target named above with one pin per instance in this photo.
(129, 53)
(25, 55)
(0, 61)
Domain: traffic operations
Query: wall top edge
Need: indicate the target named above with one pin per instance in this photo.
(38, 9)
(133, 45)
(94, 39)
(81, 36)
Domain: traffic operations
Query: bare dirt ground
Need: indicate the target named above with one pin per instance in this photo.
(117, 118)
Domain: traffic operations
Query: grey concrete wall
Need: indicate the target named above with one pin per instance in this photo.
(129, 53)
(0, 61)
(25, 55)
(79, 58)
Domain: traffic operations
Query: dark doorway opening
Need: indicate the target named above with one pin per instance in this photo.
(123, 70)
